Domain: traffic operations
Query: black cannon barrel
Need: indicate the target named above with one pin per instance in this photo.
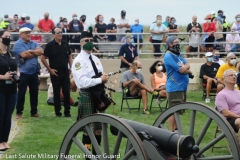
(167, 140)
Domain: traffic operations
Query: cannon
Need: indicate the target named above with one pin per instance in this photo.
(130, 140)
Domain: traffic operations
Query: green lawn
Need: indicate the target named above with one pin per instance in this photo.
(44, 135)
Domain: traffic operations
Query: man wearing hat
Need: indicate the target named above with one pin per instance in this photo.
(28, 23)
(127, 54)
(84, 67)
(59, 55)
(208, 73)
(27, 52)
(4, 24)
(178, 71)
(23, 20)
(122, 25)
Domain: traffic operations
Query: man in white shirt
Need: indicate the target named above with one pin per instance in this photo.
(84, 67)
(122, 25)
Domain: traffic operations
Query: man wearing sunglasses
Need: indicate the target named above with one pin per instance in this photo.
(227, 101)
(59, 54)
(84, 67)
(230, 64)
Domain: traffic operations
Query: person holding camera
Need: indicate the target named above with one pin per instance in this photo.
(8, 88)
(178, 73)
(27, 52)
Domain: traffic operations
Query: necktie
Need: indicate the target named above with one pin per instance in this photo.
(94, 66)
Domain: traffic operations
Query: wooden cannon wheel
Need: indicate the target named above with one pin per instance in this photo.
(201, 130)
(73, 148)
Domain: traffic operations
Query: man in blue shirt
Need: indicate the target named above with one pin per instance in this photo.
(137, 28)
(28, 24)
(27, 52)
(177, 70)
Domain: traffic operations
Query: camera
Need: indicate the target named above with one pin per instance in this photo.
(15, 77)
(191, 75)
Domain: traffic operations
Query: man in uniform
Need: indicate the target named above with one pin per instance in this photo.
(59, 55)
(84, 67)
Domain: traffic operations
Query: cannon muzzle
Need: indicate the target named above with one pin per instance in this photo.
(168, 141)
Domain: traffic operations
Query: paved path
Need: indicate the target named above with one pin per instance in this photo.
(13, 133)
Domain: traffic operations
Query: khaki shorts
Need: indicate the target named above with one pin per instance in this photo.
(176, 98)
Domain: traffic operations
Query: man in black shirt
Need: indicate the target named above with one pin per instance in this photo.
(208, 73)
(59, 55)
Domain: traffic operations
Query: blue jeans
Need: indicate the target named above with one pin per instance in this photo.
(235, 47)
(30, 80)
(7, 105)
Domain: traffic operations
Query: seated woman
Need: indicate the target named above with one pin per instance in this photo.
(158, 78)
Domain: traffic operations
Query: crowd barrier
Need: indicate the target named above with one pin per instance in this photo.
(113, 47)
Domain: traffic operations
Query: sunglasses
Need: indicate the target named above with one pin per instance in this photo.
(88, 40)
(58, 32)
(232, 58)
(159, 64)
(139, 67)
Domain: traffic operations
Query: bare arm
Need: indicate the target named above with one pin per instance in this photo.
(121, 25)
(229, 114)
(37, 52)
(27, 55)
(220, 80)
(125, 84)
(152, 82)
(70, 61)
(124, 60)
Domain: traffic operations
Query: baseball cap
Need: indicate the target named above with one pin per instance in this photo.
(170, 39)
(129, 36)
(123, 12)
(208, 54)
(25, 29)
(23, 15)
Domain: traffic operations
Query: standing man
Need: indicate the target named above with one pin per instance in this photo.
(27, 52)
(137, 28)
(127, 54)
(59, 55)
(14, 27)
(177, 70)
(4, 24)
(28, 23)
(84, 67)
(111, 28)
(75, 26)
(122, 25)
(46, 25)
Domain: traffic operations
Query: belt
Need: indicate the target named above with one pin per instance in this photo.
(85, 90)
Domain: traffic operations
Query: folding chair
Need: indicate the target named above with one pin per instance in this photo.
(159, 105)
(213, 91)
(126, 97)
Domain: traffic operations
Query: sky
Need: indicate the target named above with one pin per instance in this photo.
(145, 10)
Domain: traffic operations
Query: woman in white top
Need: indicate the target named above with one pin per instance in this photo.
(158, 30)
(233, 37)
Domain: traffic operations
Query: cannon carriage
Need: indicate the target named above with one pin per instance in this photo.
(129, 140)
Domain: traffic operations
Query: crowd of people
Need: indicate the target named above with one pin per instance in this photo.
(169, 78)
(159, 29)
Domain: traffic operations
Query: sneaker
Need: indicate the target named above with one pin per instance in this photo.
(146, 112)
(67, 115)
(207, 100)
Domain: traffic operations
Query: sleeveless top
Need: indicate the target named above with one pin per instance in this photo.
(160, 81)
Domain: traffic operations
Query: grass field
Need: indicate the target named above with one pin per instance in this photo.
(44, 135)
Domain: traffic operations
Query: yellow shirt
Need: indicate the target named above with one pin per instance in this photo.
(223, 68)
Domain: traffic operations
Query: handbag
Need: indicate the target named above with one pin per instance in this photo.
(150, 39)
(164, 39)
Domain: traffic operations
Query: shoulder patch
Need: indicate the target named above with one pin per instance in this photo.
(77, 66)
